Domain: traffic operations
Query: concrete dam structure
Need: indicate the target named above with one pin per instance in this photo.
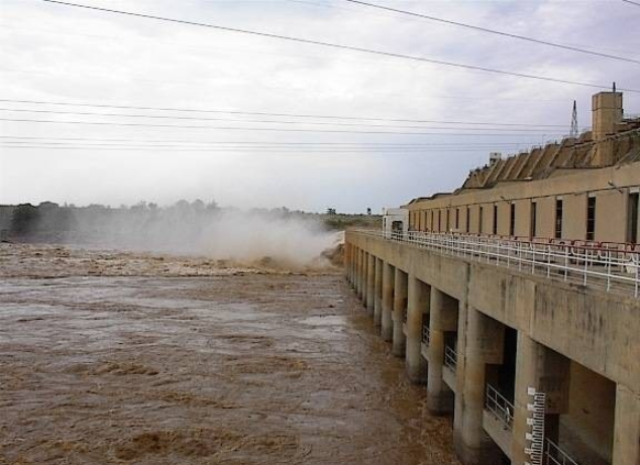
(516, 300)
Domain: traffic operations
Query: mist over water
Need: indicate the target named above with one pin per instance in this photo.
(246, 237)
(275, 236)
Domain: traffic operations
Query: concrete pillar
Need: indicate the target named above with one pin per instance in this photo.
(527, 375)
(546, 371)
(361, 255)
(442, 317)
(363, 278)
(399, 309)
(377, 302)
(626, 444)
(388, 292)
(417, 309)
(354, 254)
(347, 261)
(371, 280)
(484, 342)
(356, 269)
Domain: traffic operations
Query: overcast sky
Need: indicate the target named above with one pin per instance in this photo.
(55, 53)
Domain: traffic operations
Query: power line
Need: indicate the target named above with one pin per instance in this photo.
(272, 150)
(339, 46)
(279, 114)
(29, 139)
(266, 148)
(101, 123)
(633, 3)
(126, 115)
(493, 31)
(209, 150)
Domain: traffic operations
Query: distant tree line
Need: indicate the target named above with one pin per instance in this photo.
(51, 222)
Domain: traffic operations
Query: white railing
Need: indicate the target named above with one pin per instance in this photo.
(615, 267)
(500, 407)
(426, 335)
(553, 455)
(450, 358)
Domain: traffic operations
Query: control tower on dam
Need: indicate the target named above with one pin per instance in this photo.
(515, 299)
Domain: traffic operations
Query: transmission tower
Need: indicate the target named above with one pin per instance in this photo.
(574, 121)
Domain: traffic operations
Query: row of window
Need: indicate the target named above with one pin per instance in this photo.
(448, 220)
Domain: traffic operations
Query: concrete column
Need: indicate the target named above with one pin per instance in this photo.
(347, 261)
(363, 273)
(626, 444)
(484, 341)
(365, 279)
(360, 273)
(527, 375)
(399, 308)
(442, 317)
(377, 302)
(546, 371)
(354, 254)
(388, 291)
(371, 280)
(417, 309)
(356, 268)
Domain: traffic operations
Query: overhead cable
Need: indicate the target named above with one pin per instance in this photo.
(340, 46)
(220, 150)
(190, 118)
(279, 114)
(334, 131)
(493, 31)
(254, 143)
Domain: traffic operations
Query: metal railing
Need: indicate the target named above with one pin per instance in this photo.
(450, 358)
(426, 335)
(613, 266)
(499, 407)
(553, 455)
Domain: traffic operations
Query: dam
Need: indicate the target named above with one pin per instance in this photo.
(515, 299)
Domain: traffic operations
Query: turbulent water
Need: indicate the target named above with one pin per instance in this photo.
(136, 359)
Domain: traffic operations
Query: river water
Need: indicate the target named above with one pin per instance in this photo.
(239, 369)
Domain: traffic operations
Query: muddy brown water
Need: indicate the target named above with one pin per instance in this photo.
(235, 369)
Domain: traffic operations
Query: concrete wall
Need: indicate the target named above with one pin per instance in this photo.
(523, 217)
(592, 403)
(612, 209)
(611, 186)
(575, 224)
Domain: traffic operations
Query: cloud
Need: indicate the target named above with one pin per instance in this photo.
(55, 53)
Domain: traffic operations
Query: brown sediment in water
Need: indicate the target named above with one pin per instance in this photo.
(153, 367)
